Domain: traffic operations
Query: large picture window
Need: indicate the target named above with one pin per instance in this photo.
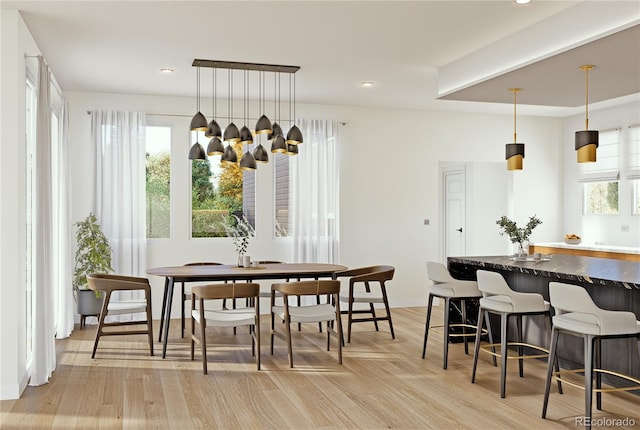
(158, 181)
(281, 194)
(218, 191)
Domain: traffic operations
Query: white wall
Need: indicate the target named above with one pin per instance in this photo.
(604, 229)
(16, 42)
(389, 185)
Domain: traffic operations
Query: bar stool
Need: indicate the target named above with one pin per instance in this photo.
(577, 315)
(499, 299)
(448, 288)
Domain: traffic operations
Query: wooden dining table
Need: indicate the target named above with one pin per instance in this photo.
(203, 273)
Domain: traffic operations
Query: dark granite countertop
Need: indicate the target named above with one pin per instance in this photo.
(597, 271)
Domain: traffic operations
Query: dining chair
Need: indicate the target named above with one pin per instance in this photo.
(187, 296)
(314, 313)
(107, 285)
(249, 315)
(362, 289)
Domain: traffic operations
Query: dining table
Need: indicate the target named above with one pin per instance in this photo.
(217, 273)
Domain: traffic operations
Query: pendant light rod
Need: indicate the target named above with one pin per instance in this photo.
(244, 66)
(586, 69)
(515, 92)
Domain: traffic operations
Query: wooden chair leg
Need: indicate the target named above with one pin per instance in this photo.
(103, 314)
(504, 319)
(552, 359)
(476, 349)
(182, 300)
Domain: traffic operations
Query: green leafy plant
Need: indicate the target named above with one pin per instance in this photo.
(93, 254)
(517, 235)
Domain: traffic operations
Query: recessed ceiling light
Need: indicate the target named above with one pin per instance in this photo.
(167, 70)
(522, 1)
(367, 84)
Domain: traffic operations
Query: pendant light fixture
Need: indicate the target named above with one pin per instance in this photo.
(198, 122)
(278, 145)
(246, 138)
(263, 126)
(234, 137)
(514, 151)
(231, 133)
(275, 127)
(214, 131)
(247, 162)
(586, 140)
(294, 136)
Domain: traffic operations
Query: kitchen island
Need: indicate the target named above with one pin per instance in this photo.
(613, 284)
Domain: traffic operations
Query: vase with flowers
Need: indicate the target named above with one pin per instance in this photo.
(518, 235)
(240, 230)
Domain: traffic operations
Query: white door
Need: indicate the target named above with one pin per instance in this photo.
(454, 211)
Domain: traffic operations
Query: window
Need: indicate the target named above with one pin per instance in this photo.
(601, 197)
(158, 181)
(218, 191)
(281, 193)
(634, 166)
(600, 189)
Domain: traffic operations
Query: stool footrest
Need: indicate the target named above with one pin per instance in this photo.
(485, 348)
(598, 390)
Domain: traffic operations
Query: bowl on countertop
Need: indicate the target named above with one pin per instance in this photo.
(572, 241)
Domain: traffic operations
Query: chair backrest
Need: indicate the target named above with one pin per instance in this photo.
(226, 291)
(270, 262)
(379, 273)
(492, 283)
(107, 282)
(570, 298)
(308, 288)
(438, 273)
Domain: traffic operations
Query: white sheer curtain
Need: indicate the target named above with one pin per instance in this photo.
(119, 140)
(63, 257)
(315, 184)
(44, 351)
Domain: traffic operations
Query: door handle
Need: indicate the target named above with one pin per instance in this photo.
(459, 229)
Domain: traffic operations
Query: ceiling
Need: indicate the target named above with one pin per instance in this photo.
(405, 48)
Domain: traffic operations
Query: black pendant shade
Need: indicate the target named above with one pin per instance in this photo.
(278, 145)
(586, 145)
(215, 147)
(197, 152)
(245, 135)
(198, 122)
(263, 126)
(229, 155)
(294, 136)
(514, 155)
(247, 162)
(213, 129)
(292, 149)
(231, 134)
(275, 130)
(260, 154)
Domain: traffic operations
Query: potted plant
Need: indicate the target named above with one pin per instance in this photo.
(240, 230)
(93, 255)
(518, 235)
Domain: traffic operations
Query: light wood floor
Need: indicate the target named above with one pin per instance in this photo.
(383, 383)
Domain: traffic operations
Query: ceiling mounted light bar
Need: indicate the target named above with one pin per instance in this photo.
(244, 66)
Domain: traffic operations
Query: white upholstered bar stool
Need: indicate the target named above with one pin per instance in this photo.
(448, 288)
(499, 299)
(577, 315)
